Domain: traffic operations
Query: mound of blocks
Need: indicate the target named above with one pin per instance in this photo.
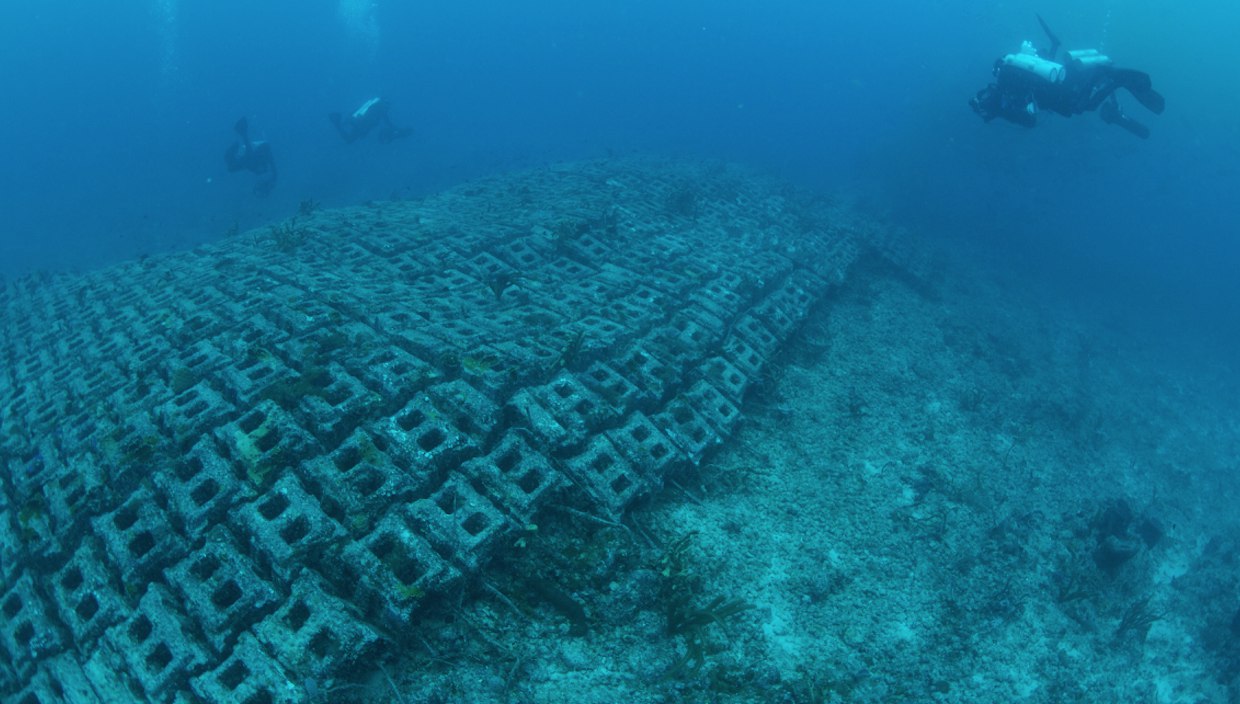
(230, 474)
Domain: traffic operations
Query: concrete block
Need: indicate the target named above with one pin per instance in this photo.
(157, 645)
(249, 676)
(138, 539)
(221, 589)
(287, 530)
(515, 477)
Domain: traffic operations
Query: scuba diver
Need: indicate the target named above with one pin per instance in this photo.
(1033, 80)
(255, 157)
(373, 113)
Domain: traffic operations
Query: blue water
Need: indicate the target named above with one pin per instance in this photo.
(116, 115)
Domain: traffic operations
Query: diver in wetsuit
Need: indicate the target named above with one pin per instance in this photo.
(373, 113)
(255, 157)
(1032, 80)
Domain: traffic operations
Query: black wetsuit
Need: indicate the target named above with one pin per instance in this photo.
(373, 113)
(1017, 95)
(255, 157)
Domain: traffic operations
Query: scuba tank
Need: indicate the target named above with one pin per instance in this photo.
(1089, 58)
(1028, 60)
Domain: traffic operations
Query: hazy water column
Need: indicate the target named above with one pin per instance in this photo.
(168, 28)
(359, 20)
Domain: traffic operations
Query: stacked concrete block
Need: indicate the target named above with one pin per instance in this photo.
(726, 377)
(468, 409)
(776, 319)
(605, 476)
(12, 542)
(314, 633)
(29, 630)
(642, 362)
(462, 525)
(424, 442)
(516, 477)
(744, 356)
(355, 482)
(725, 296)
(647, 449)
(692, 332)
(714, 407)
(487, 370)
(794, 296)
(614, 389)
(138, 539)
(255, 373)
(598, 336)
(60, 680)
(629, 311)
(394, 374)
(221, 589)
(564, 411)
(287, 529)
(532, 357)
(249, 676)
(86, 596)
(390, 573)
(194, 412)
(129, 447)
(158, 645)
(200, 489)
(263, 444)
(335, 409)
(751, 328)
(524, 253)
(686, 428)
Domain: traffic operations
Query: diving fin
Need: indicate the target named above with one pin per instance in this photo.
(242, 128)
(1138, 83)
(1050, 35)
(1151, 99)
(1111, 114)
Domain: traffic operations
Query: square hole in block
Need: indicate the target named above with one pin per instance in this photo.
(204, 492)
(125, 518)
(295, 531)
(250, 423)
(347, 458)
(297, 616)
(140, 629)
(530, 481)
(141, 544)
(446, 500)
(188, 469)
(72, 579)
(411, 420)
(621, 484)
(273, 506)
(205, 567)
(87, 607)
(159, 658)
(505, 462)
(268, 440)
(368, 482)
(476, 523)
(226, 595)
(24, 634)
(431, 439)
(234, 675)
(323, 644)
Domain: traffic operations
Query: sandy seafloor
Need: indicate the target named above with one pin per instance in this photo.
(966, 490)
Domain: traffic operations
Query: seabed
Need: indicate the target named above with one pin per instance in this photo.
(634, 430)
